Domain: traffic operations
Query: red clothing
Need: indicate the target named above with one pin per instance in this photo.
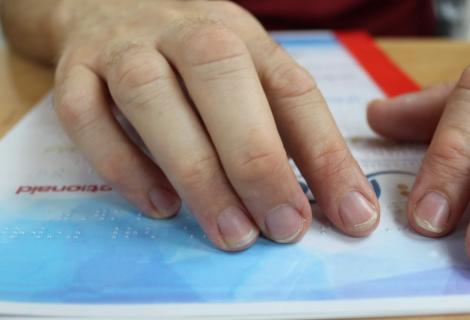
(379, 17)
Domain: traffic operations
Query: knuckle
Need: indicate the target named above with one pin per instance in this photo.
(70, 58)
(256, 162)
(452, 159)
(289, 80)
(332, 161)
(68, 110)
(137, 76)
(197, 170)
(206, 41)
(74, 111)
(132, 68)
(138, 71)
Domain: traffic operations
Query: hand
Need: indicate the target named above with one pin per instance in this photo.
(216, 101)
(442, 188)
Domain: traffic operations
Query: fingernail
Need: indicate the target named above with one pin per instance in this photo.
(432, 212)
(284, 223)
(357, 213)
(236, 228)
(165, 203)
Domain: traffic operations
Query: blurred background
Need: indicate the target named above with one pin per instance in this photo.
(453, 18)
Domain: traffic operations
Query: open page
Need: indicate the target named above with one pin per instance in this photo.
(71, 246)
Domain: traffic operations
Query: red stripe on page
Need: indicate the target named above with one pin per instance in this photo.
(388, 76)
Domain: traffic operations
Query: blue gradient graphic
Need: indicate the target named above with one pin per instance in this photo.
(101, 251)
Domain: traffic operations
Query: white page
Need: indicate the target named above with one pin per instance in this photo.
(86, 252)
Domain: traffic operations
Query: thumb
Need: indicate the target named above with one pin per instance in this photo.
(412, 116)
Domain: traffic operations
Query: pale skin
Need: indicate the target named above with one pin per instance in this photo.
(441, 115)
(218, 104)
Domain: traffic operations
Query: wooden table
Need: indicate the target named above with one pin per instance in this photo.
(428, 61)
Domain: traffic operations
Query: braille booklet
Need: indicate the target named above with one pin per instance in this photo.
(71, 246)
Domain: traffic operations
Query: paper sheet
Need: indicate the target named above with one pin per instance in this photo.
(71, 246)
